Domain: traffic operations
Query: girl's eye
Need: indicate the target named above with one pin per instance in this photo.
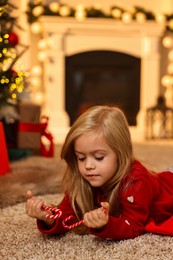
(80, 158)
(100, 158)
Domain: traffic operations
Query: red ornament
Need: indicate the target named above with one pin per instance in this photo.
(13, 72)
(13, 39)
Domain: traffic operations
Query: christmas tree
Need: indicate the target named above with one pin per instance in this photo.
(11, 80)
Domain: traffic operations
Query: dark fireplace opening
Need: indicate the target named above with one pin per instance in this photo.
(102, 78)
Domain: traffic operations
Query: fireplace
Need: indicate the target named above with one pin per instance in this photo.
(84, 56)
(102, 78)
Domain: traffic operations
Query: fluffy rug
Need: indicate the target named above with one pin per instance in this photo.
(38, 174)
(20, 240)
(157, 155)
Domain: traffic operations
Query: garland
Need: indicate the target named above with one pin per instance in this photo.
(36, 9)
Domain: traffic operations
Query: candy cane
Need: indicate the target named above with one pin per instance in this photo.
(58, 214)
(73, 225)
(57, 211)
(64, 222)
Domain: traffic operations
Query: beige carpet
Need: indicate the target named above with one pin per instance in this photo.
(157, 155)
(19, 238)
(41, 175)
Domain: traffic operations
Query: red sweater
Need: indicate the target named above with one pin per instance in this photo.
(147, 207)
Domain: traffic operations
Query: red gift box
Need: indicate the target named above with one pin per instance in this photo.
(29, 137)
(4, 161)
(29, 112)
(37, 129)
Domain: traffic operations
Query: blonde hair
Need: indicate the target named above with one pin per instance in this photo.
(112, 124)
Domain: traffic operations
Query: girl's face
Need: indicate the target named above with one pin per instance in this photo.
(97, 162)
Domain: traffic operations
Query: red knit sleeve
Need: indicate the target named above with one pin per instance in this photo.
(58, 228)
(136, 204)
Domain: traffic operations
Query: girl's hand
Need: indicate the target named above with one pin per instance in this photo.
(97, 218)
(34, 209)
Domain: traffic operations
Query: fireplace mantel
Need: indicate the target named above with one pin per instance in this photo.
(67, 36)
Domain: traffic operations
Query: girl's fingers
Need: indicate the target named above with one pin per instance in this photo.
(38, 205)
(105, 206)
(33, 207)
(29, 194)
(95, 219)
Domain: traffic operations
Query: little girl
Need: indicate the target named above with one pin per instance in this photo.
(115, 195)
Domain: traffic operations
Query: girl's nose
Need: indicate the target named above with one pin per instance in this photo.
(89, 165)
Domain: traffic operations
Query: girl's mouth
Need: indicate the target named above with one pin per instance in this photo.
(92, 176)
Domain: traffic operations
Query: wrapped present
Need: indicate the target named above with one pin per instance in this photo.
(4, 161)
(30, 136)
(29, 112)
(29, 128)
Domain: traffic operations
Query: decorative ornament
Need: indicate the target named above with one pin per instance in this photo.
(38, 10)
(42, 55)
(139, 14)
(130, 199)
(38, 97)
(167, 41)
(36, 27)
(140, 17)
(36, 70)
(160, 18)
(42, 44)
(166, 81)
(126, 17)
(64, 11)
(54, 7)
(80, 15)
(13, 39)
(116, 13)
(35, 82)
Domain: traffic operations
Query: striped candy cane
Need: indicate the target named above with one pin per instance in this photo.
(64, 222)
(58, 214)
(57, 211)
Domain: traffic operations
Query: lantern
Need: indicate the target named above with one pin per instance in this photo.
(159, 121)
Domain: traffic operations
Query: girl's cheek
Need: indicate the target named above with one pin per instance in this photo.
(80, 167)
(82, 171)
(78, 164)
